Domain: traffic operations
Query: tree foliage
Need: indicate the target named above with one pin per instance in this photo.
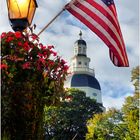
(118, 124)
(68, 121)
(131, 116)
(135, 78)
(106, 126)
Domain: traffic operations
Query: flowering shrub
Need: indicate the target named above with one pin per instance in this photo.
(32, 76)
(18, 48)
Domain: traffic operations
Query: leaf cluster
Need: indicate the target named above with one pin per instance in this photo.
(69, 119)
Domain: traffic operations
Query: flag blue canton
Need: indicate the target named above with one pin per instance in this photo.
(108, 2)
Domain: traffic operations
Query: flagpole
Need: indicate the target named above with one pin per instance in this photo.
(51, 21)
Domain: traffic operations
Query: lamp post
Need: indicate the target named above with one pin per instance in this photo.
(21, 13)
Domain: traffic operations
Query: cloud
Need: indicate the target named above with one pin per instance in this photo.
(117, 103)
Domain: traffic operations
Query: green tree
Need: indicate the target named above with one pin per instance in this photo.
(135, 78)
(118, 124)
(68, 121)
(106, 126)
(130, 111)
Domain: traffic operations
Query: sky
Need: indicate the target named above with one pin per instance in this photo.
(115, 82)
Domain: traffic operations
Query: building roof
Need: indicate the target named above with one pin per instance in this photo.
(81, 42)
(83, 80)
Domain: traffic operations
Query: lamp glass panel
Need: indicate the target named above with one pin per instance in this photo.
(18, 8)
(31, 11)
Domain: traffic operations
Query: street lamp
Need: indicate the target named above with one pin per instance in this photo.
(21, 13)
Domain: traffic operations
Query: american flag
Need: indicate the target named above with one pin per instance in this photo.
(101, 17)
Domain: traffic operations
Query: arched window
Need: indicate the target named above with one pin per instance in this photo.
(80, 49)
(84, 50)
(79, 63)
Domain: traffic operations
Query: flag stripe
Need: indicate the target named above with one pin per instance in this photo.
(98, 29)
(92, 10)
(101, 17)
(102, 20)
(111, 55)
(100, 6)
(113, 58)
(104, 9)
(105, 22)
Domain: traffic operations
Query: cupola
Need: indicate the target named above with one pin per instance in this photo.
(80, 46)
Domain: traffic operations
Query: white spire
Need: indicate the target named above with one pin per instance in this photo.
(80, 46)
(80, 61)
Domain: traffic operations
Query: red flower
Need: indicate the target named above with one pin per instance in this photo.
(42, 61)
(26, 46)
(50, 47)
(51, 62)
(45, 53)
(9, 39)
(32, 46)
(54, 53)
(18, 34)
(19, 44)
(40, 55)
(42, 47)
(66, 68)
(34, 36)
(37, 56)
(3, 35)
(3, 66)
(26, 65)
(63, 61)
(10, 33)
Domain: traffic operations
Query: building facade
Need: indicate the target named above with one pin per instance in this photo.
(82, 76)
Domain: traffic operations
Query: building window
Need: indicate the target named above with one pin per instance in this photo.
(84, 49)
(79, 49)
(79, 63)
(85, 63)
(94, 94)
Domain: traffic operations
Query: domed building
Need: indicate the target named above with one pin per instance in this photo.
(82, 77)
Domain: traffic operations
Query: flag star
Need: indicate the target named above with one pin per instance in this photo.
(108, 2)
